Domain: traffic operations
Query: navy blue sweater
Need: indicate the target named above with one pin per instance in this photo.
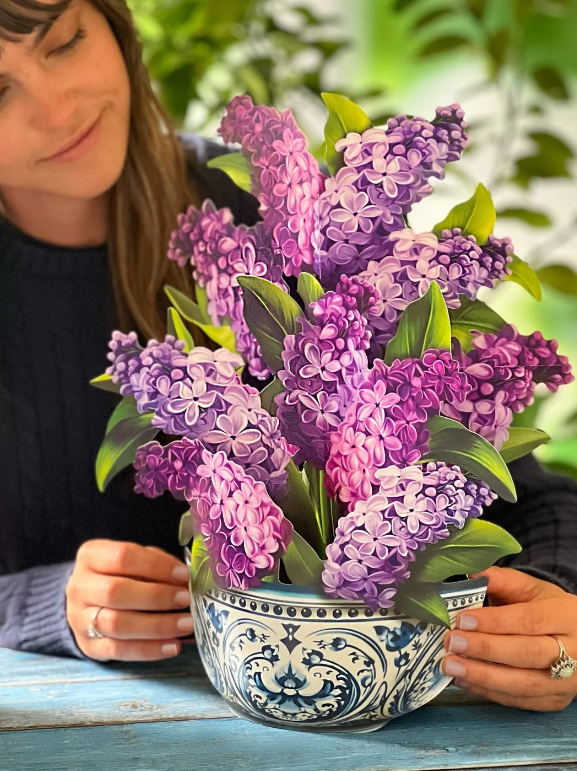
(56, 317)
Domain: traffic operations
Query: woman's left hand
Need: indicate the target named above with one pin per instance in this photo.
(509, 653)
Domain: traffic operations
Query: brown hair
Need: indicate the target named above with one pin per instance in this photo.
(154, 185)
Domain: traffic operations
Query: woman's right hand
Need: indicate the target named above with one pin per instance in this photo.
(127, 581)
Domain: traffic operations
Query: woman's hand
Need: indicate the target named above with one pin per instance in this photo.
(509, 653)
(127, 579)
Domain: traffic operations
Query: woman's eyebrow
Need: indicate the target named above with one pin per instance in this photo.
(40, 35)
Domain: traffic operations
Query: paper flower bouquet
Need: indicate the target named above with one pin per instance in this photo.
(384, 426)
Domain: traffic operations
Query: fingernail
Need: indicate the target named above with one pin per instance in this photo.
(169, 649)
(181, 573)
(458, 643)
(461, 684)
(185, 624)
(182, 598)
(467, 622)
(454, 668)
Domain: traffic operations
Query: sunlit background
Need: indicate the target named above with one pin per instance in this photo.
(511, 64)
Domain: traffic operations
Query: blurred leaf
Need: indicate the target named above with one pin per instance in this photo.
(303, 565)
(443, 44)
(236, 166)
(402, 5)
(548, 162)
(185, 529)
(525, 276)
(268, 394)
(521, 442)
(223, 336)
(308, 15)
(176, 328)
(473, 315)
(550, 82)
(559, 277)
(451, 442)
(567, 469)
(104, 383)
(475, 216)
(200, 573)
(344, 117)
(271, 315)
(432, 16)
(310, 291)
(424, 324)
(119, 446)
(528, 417)
(561, 451)
(497, 48)
(299, 509)
(475, 547)
(477, 7)
(536, 218)
(422, 601)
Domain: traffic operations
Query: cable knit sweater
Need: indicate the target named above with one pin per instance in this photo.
(56, 316)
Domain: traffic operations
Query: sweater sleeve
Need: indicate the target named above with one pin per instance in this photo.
(544, 521)
(33, 611)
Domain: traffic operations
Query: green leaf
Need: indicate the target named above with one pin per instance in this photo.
(422, 601)
(267, 396)
(125, 409)
(189, 310)
(549, 161)
(476, 216)
(477, 8)
(424, 324)
(452, 443)
(271, 315)
(536, 218)
(303, 565)
(521, 442)
(475, 547)
(559, 277)
(310, 290)
(473, 315)
(525, 276)
(344, 117)
(236, 166)
(104, 382)
(200, 573)
(176, 328)
(440, 45)
(432, 16)
(185, 529)
(551, 82)
(299, 509)
(119, 446)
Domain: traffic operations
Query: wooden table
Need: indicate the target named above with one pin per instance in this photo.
(61, 714)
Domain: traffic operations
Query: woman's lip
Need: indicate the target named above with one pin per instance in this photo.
(79, 147)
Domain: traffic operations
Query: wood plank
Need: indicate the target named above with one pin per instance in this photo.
(475, 737)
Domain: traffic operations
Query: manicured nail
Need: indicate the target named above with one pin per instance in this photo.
(170, 649)
(185, 624)
(454, 668)
(181, 573)
(182, 598)
(458, 643)
(467, 622)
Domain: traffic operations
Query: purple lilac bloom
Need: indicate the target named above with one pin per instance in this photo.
(199, 395)
(387, 422)
(245, 533)
(386, 171)
(285, 178)
(376, 542)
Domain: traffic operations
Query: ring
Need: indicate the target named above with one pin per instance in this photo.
(92, 630)
(564, 666)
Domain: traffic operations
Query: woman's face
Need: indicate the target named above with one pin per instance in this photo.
(52, 95)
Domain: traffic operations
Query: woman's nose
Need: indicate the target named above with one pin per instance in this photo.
(53, 105)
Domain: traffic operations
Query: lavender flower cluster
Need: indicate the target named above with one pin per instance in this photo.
(504, 370)
(386, 424)
(245, 533)
(199, 395)
(377, 541)
(386, 172)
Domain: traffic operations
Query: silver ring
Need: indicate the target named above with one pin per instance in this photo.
(92, 630)
(564, 666)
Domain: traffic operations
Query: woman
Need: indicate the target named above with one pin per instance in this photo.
(91, 180)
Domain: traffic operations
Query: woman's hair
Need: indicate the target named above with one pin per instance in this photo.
(153, 187)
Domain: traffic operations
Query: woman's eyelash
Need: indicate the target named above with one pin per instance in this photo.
(80, 35)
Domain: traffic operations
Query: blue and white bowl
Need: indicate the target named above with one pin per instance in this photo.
(289, 657)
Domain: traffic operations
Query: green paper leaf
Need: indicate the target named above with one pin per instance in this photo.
(185, 529)
(104, 383)
(473, 315)
(120, 444)
(476, 216)
(475, 547)
(236, 166)
(559, 277)
(422, 601)
(521, 442)
(452, 443)
(189, 310)
(200, 573)
(525, 276)
(310, 291)
(176, 327)
(303, 565)
(268, 394)
(271, 315)
(424, 324)
(298, 508)
(344, 117)
(536, 218)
